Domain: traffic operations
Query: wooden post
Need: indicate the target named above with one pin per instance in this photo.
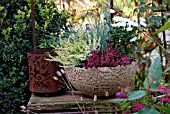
(164, 36)
(33, 24)
(111, 7)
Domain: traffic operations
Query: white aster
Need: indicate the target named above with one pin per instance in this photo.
(120, 19)
(112, 11)
(120, 24)
(133, 39)
(142, 21)
(143, 24)
(102, 18)
(132, 23)
(129, 28)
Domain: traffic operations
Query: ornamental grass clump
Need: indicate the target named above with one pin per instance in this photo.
(74, 49)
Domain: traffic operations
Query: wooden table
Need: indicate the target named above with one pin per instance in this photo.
(69, 103)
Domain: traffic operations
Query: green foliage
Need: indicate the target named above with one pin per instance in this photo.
(76, 48)
(132, 96)
(49, 22)
(96, 30)
(148, 110)
(163, 28)
(163, 109)
(121, 39)
(136, 94)
(167, 69)
(154, 75)
(14, 45)
(153, 19)
(147, 94)
(15, 42)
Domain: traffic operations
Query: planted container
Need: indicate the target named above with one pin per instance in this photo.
(42, 72)
(101, 81)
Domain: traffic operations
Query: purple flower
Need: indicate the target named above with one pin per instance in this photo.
(109, 57)
(121, 95)
(127, 112)
(163, 89)
(169, 53)
(140, 99)
(137, 107)
(107, 7)
(167, 91)
(164, 99)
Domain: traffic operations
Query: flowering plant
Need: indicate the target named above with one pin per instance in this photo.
(109, 57)
(153, 97)
(101, 43)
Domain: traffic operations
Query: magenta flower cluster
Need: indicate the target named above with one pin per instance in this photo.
(137, 107)
(109, 57)
(127, 112)
(164, 90)
(121, 95)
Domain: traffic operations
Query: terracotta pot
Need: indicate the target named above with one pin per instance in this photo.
(102, 80)
(41, 73)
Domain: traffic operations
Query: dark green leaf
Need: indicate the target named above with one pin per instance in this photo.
(164, 109)
(136, 95)
(119, 100)
(154, 76)
(168, 69)
(163, 28)
(148, 110)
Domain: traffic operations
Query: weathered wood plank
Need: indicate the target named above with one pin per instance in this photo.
(67, 101)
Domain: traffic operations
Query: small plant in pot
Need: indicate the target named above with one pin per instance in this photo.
(96, 63)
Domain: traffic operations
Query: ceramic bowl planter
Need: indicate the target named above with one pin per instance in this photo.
(101, 80)
(41, 73)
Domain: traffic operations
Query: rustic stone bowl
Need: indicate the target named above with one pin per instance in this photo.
(100, 81)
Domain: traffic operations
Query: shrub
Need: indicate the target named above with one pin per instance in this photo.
(16, 41)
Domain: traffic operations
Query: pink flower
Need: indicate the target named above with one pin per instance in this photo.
(164, 99)
(169, 53)
(107, 57)
(127, 112)
(137, 107)
(163, 89)
(167, 91)
(121, 95)
(140, 99)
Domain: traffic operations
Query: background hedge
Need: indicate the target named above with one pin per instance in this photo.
(16, 41)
